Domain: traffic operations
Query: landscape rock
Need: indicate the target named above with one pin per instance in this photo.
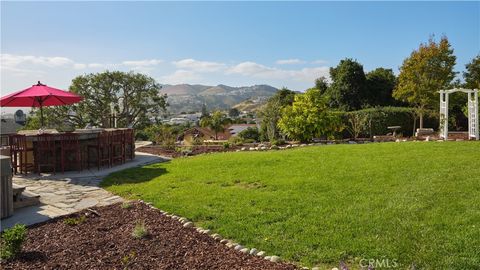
(244, 250)
(261, 253)
(268, 258)
(243, 148)
(275, 259)
(188, 225)
(238, 247)
(253, 251)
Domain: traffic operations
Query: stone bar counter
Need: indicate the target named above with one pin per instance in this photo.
(85, 136)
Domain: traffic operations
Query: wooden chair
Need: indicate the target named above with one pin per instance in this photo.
(117, 149)
(45, 152)
(102, 149)
(19, 153)
(129, 143)
(69, 143)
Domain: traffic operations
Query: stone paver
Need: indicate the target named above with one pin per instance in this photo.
(69, 196)
(63, 194)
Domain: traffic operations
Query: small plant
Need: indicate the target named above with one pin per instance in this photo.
(127, 259)
(127, 205)
(12, 241)
(74, 221)
(277, 142)
(226, 145)
(140, 231)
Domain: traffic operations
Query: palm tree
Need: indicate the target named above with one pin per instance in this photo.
(216, 122)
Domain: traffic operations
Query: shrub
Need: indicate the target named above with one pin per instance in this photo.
(374, 121)
(140, 231)
(250, 133)
(277, 142)
(12, 241)
(236, 140)
(226, 145)
(74, 221)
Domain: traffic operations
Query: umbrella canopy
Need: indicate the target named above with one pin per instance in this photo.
(39, 95)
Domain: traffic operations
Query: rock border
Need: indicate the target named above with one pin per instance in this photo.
(227, 242)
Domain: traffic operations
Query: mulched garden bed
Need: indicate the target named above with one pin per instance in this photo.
(162, 151)
(105, 242)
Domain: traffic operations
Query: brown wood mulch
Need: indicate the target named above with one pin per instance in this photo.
(197, 150)
(105, 241)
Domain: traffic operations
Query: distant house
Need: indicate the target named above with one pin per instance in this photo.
(201, 134)
(234, 129)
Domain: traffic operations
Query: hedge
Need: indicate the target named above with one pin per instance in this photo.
(379, 118)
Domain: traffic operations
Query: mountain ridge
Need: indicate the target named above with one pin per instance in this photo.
(191, 97)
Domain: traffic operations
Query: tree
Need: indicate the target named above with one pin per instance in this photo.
(347, 90)
(204, 110)
(272, 112)
(216, 122)
(321, 84)
(380, 84)
(233, 113)
(357, 123)
(472, 75)
(132, 97)
(309, 117)
(426, 71)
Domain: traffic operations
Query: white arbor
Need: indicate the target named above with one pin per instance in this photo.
(472, 105)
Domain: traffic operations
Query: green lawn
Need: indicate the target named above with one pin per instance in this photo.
(414, 203)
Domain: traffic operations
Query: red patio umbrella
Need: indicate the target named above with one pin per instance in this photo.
(39, 95)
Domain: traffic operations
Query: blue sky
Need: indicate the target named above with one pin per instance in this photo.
(234, 43)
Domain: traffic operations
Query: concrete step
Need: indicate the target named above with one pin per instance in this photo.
(17, 191)
(26, 199)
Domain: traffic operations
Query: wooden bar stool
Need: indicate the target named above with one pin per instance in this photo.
(19, 153)
(102, 149)
(117, 150)
(69, 143)
(45, 152)
(129, 141)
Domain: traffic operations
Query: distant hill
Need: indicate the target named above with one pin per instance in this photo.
(188, 98)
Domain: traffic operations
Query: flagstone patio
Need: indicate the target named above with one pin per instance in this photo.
(63, 194)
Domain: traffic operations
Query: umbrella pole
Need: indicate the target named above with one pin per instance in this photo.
(41, 117)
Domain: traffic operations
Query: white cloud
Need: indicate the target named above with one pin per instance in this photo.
(290, 62)
(143, 63)
(183, 71)
(11, 60)
(320, 62)
(96, 65)
(199, 66)
(79, 66)
(181, 76)
(253, 69)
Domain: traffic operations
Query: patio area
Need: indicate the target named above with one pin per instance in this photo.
(63, 194)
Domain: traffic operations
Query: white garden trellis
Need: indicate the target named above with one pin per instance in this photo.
(472, 104)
